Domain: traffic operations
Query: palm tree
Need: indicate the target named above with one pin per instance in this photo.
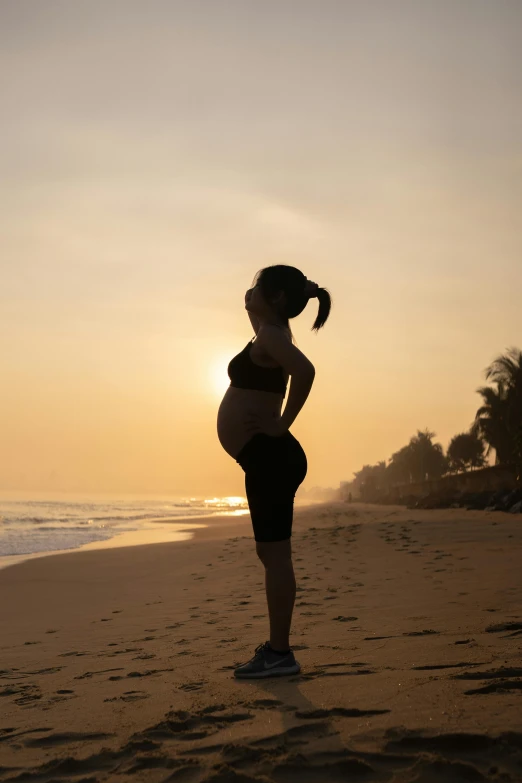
(507, 369)
(421, 459)
(490, 422)
(465, 450)
(370, 480)
(399, 469)
(499, 420)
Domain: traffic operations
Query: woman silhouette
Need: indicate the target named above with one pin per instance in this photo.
(253, 431)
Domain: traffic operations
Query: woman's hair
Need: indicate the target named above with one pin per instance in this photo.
(280, 277)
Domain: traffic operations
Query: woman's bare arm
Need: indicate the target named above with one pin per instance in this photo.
(299, 367)
(300, 386)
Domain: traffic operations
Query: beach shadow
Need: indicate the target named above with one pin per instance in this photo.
(307, 743)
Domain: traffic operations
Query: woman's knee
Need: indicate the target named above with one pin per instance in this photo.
(274, 552)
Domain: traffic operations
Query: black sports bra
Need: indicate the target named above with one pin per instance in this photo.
(244, 374)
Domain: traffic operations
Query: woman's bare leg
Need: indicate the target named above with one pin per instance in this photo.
(280, 587)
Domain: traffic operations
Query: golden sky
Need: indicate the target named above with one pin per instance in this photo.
(156, 154)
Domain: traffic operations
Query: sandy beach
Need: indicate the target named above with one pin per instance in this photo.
(118, 663)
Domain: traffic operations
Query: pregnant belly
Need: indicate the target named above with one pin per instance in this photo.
(233, 414)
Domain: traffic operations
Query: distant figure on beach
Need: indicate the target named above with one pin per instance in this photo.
(253, 431)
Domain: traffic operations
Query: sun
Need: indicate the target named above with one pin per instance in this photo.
(217, 375)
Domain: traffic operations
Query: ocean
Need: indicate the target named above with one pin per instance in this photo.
(32, 527)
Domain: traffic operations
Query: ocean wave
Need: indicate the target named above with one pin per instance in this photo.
(31, 526)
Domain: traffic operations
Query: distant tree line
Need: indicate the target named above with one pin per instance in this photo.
(497, 426)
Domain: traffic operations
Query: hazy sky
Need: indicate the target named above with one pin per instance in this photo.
(155, 154)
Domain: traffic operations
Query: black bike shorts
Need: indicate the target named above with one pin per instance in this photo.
(274, 468)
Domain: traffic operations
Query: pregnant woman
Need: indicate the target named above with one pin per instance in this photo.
(253, 431)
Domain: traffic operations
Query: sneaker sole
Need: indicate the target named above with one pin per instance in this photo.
(268, 672)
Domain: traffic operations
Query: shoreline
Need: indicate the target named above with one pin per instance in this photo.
(186, 526)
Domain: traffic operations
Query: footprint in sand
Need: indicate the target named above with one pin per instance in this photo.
(63, 738)
(76, 653)
(47, 670)
(88, 675)
(193, 686)
(515, 628)
(130, 696)
(25, 694)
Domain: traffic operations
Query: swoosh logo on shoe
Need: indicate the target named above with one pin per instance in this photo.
(271, 665)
